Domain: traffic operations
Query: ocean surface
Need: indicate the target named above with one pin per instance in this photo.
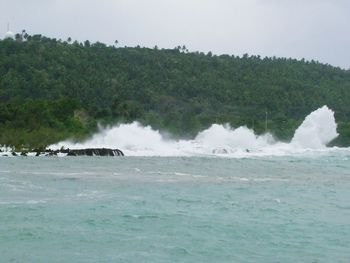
(176, 209)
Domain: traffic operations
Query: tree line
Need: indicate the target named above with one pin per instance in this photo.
(52, 90)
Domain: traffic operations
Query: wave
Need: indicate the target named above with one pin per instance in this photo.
(318, 129)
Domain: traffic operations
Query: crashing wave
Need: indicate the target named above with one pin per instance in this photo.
(317, 130)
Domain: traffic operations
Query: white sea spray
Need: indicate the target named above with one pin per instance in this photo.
(317, 130)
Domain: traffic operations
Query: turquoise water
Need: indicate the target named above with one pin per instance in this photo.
(134, 209)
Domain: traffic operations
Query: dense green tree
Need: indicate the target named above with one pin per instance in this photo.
(57, 89)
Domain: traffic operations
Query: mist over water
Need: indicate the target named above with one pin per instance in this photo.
(317, 130)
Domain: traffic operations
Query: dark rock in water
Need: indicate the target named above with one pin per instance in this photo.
(81, 152)
(72, 152)
(118, 152)
(93, 152)
(52, 153)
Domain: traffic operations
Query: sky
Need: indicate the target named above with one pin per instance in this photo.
(310, 29)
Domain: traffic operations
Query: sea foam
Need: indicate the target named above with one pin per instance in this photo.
(317, 130)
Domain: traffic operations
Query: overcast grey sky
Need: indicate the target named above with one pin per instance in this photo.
(311, 29)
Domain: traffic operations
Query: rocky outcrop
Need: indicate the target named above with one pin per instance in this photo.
(80, 152)
(93, 152)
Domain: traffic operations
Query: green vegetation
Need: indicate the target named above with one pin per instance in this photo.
(51, 89)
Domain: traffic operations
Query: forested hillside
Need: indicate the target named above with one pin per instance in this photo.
(52, 89)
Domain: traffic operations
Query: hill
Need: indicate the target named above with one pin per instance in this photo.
(52, 89)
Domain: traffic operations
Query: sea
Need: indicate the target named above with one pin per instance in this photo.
(245, 198)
